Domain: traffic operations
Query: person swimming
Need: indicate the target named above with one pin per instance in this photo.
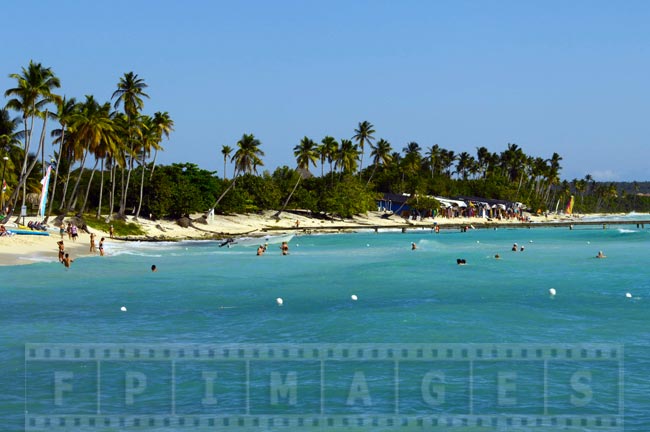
(414, 246)
(461, 261)
(601, 255)
(154, 268)
(514, 247)
(497, 256)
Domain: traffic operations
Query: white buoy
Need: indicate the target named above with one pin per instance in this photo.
(628, 295)
(123, 308)
(367, 244)
(279, 301)
(552, 291)
(354, 297)
(478, 241)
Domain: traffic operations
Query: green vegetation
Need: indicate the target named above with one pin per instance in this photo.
(121, 228)
(105, 163)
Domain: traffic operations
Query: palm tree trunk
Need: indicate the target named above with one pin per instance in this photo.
(112, 197)
(101, 191)
(73, 196)
(286, 202)
(223, 194)
(137, 214)
(28, 171)
(65, 186)
(122, 211)
(153, 166)
(372, 174)
(56, 174)
(92, 174)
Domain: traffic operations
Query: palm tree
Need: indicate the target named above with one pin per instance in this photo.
(329, 148)
(433, 158)
(247, 158)
(225, 151)
(483, 158)
(347, 157)
(10, 136)
(464, 164)
(102, 143)
(88, 129)
(148, 137)
(33, 92)
(129, 94)
(65, 109)
(305, 154)
(362, 134)
(381, 154)
(163, 125)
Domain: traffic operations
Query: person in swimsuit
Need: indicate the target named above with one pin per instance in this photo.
(61, 250)
(101, 247)
(284, 248)
(67, 261)
(92, 242)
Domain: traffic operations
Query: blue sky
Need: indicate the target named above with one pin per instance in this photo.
(551, 76)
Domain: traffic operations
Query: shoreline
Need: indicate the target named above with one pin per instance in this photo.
(30, 249)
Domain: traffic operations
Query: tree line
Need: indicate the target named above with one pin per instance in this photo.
(105, 164)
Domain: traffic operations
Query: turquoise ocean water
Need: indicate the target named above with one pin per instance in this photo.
(204, 297)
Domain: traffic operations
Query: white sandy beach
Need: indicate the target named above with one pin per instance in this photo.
(28, 249)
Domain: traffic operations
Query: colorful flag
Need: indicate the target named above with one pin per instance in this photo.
(45, 182)
(569, 206)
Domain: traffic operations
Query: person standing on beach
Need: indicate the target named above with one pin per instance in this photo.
(69, 230)
(74, 232)
(111, 231)
(101, 247)
(92, 242)
(61, 250)
(62, 230)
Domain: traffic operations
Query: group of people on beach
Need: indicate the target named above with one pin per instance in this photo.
(64, 257)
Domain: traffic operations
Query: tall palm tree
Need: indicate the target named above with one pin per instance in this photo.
(164, 125)
(33, 92)
(329, 147)
(433, 159)
(102, 143)
(305, 154)
(88, 129)
(129, 94)
(65, 109)
(381, 154)
(148, 138)
(10, 136)
(347, 157)
(246, 159)
(464, 164)
(363, 134)
(225, 151)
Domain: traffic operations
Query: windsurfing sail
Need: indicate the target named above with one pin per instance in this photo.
(569, 206)
(45, 182)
